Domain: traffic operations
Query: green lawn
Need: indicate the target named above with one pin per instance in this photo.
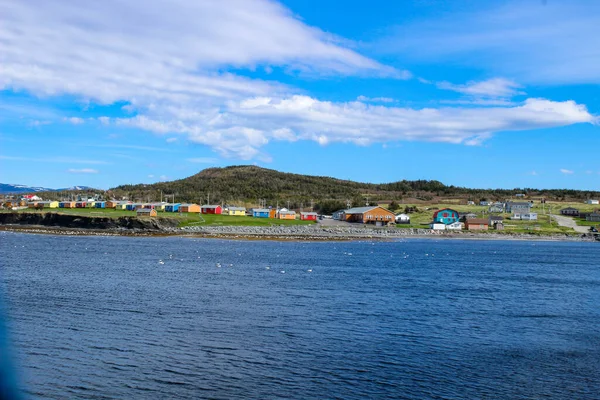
(186, 219)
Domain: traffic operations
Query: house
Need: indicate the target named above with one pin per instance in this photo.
(525, 216)
(499, 226)
(477, 224)
(237, 211)
(31, 197)
(287, 214)
(66, 204)
(111, 204)
(402, 219)
(454, 226)
(211, 209)
(273, 212)
(484, 203)
(520, 195)
(470, 203)
(90, 204)
(516, 207)
(33, 204)
(593, 217)
(137, 206)
(159, 206)
(172, 207)
(570, 211)
(437, 226)
(189, 208)
(494, 220)
(370, 214)
(100, 204)
(146, 212)
(592, 202)
(308, 216)
(446, 216)
(497, 207)
(465, 216)
(260, 213)
(81, 204)
(338, 215)
(130, 207)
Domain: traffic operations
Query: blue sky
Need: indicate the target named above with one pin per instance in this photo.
(477, 94)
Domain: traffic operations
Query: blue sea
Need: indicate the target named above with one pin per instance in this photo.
(182, 318)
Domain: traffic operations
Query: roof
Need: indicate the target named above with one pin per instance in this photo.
(496, 218)
(287, 212)
(145, 210)
(308, 213)
(210, 206)
(237, 208)
(476, 221)
(569, 208)
(519, 203)
(172, 204)
(261, 210)
(188, 204)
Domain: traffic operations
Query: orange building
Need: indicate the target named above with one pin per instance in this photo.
(146, 212)
(189, 208)
(287, 215)
(369, 215)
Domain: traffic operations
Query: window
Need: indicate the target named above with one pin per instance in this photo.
(445, 214)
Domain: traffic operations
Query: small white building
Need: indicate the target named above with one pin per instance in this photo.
(455, 226)
(402, 219)
(525, 216)
(592, 201)
(437, 226)
(470, 203)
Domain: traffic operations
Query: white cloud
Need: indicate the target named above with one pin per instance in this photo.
(496, 87)
(163, 178)
(171, 140)
(375, 99)
(535, 42)
(202, 160)
(74, 120)
(82, 171)
(567, 171)
(150, 176)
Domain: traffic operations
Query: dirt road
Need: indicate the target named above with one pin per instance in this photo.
(570, 223)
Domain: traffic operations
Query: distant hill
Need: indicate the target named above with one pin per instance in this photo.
(16, 189)
(251, 184)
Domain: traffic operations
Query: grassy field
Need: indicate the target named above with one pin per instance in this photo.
(186, 219)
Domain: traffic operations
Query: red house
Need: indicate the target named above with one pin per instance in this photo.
(207, 209)
(308, 216)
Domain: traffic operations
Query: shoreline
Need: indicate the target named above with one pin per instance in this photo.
(297, 234)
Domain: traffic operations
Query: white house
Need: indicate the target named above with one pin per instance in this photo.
(437, 226)
(402, 219)
(525, 216)
(454, 226)
(592, 201)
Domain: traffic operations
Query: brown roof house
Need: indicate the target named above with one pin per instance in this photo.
(476, 224)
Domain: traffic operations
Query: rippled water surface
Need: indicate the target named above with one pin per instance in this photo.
(103, 317)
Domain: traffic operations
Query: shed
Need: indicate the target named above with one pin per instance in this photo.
(369, 215)
(273, 213)
(473, 224)
(518, 207)
(66, 204)
(593, 217)
(111, 204)
(495, 219)
(211, 209)
(159, 206)
(338, 215)
(437, 226)
(130, 207)
(172, 207)
(122, 205)
(189, 208)
(260, 213)
(403, 219)
(81, 204)
(237, 211)
(48, 204)
(146, 212)
(100, 204)
(591, 201)
(286, 214)
(308, 216)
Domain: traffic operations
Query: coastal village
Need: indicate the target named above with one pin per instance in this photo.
(485, 215)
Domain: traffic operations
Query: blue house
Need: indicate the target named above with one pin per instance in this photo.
(172, 207)
(445, 216)
(130, 207)
(260, 213)
(100, 204)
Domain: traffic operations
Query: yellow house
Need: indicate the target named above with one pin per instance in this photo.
(237, 211)
(48, 204)
(159, 206)
(122, 205)
(91, 204)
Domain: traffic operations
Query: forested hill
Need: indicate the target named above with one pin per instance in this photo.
(249, 184)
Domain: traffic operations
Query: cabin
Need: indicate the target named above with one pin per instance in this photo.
(514, 207)
(260, 213)
(308, 216)
(338, 215)
(137, 206)
(172, 207)
(90, 204)
(403, 219)
(445, 216)
(211, 209)
(81, 204)
(237, 211)
(159, 206)
(146, 212)
(370, 215)
(287, 214)
(100, 204)
(122, 205)
(130, 207)
(66, 204)
(573, 212)
(477, 224)
(32, 204)
(470, 203)
(48, 204)
(189, 208)
(494, 220)
(592, 201)
(484, 203)
(111, 204)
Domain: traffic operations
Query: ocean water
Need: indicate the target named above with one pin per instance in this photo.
(181, 318)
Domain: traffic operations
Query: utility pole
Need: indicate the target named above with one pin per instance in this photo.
(208, 199)
(312, 205)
